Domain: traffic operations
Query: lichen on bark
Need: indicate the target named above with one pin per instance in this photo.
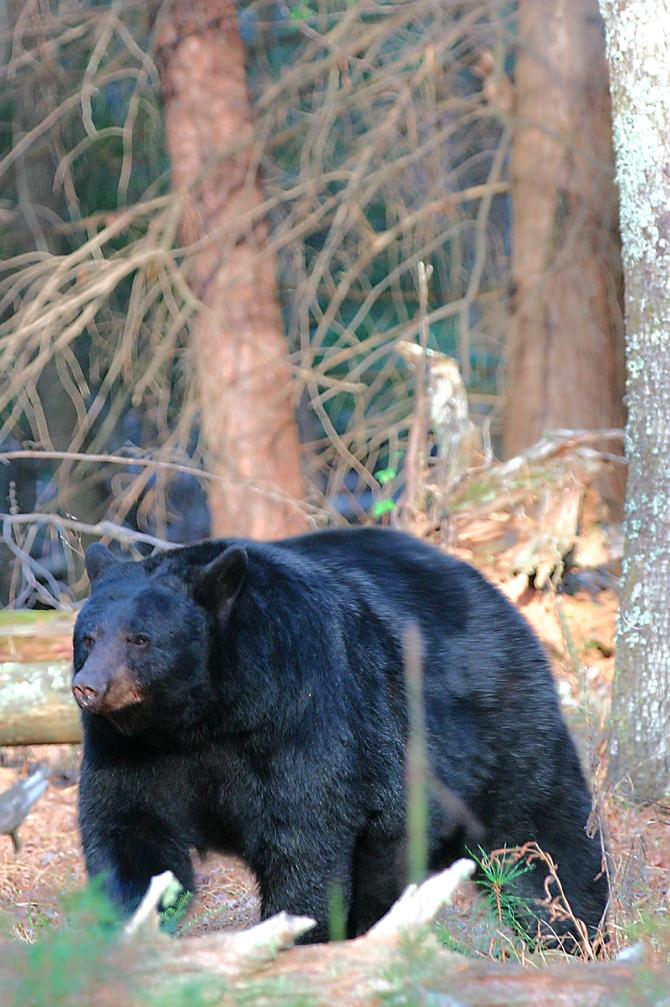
(638, 48)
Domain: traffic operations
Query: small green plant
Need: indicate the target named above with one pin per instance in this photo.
(498, 873)
(652, 929)
(382, 507)
(384, 476)
(174, 907)
(417, 760)
(452, 943)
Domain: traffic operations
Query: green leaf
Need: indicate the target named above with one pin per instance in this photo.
(381, 507)
(300, 12)
(384, 476)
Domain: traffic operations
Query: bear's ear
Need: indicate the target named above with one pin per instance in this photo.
(219, 583)
(97, 559)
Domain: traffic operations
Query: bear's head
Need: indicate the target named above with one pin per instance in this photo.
(141, 641)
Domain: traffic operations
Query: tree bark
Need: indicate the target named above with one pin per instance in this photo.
(639, 60)
(240, 353)
(565, 365)
(36, 704)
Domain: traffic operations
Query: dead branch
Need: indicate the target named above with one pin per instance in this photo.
(102, 529)
(543, 465)
(15, 803)
(418, 905)
(141, 461)
(349, 972)
(36, 705)
(145, 917)
(418, 432)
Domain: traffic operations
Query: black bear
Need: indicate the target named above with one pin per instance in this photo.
(250, 697)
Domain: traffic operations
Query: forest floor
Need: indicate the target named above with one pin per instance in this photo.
(578, 634)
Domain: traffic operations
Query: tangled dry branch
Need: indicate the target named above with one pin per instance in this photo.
(380, 144)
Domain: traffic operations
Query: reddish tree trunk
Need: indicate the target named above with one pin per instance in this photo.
(240, 354)
(565, 353)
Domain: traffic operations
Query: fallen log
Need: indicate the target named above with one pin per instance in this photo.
(527, 511)
(358, 973)
(36, 705)
(397, 962)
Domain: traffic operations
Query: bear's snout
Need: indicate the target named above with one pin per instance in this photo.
(90, 687)
(100, 689)
(85, 695)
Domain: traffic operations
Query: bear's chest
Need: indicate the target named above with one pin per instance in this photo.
(229, 801)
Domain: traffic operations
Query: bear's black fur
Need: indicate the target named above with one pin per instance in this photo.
(250, 697)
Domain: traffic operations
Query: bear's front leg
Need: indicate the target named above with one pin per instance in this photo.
(129, 856)
(127, 865)
(127, 844)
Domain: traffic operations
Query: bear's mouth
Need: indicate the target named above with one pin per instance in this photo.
(121, 694)
(127, 719)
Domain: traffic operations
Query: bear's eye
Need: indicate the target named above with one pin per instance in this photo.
(87, 641)
(138, 639)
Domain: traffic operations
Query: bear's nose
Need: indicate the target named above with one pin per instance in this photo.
(84, 695)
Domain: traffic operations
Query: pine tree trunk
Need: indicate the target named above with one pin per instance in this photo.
(241, 357)
(639, 60)
(565, 352)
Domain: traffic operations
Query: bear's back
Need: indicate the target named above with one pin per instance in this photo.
(366, 586)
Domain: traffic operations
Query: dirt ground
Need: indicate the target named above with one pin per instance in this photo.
(578, 633)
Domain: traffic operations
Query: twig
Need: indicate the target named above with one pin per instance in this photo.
(103, 529)
(350, 221)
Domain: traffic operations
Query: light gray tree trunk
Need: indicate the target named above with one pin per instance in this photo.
(638, 49)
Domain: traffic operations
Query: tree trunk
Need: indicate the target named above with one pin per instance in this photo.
(565, 364)
(241, 358)
(639, 59)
